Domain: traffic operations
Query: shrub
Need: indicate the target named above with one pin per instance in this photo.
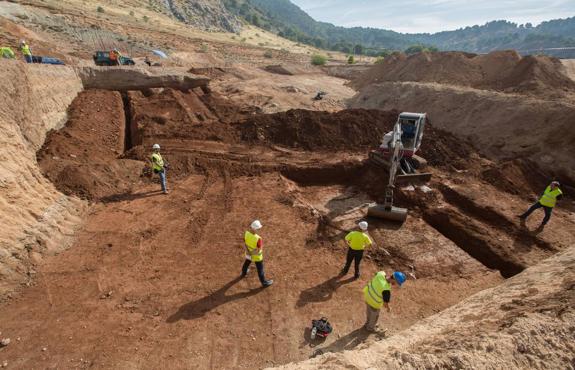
(379, 60)
(204, 48)
(351, 60)
(318, 60)
(145, 18)
(131, 13)
(100, 10)
(268, 54)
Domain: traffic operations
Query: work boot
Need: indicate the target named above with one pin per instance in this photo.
(522, 217)
(356, 276)
(342, 273)
(267, 283)
(243, 274)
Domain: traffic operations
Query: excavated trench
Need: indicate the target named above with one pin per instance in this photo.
(320, 158)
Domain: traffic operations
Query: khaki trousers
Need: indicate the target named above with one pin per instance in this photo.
(372, 317)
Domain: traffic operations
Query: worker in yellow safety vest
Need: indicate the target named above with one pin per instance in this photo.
(377, 293)
(159, 166)
(547, 201)
(254, 253)
(356, 241)
(7, 52)
(25, 49)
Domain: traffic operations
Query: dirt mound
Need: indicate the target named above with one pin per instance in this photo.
(354, 129)
(503, 71)
(82, 158)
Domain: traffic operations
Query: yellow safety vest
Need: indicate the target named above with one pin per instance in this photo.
(6, 52)
(26, 49)
(549, 198)
(373, 291)
(157, 162)
(252, 251)
(358, 240)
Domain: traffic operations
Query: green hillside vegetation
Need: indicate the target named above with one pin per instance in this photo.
(289, 21)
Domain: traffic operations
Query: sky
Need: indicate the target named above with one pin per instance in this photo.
(415, 16)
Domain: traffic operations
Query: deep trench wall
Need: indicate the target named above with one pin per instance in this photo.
(36, 219)
(501, 125)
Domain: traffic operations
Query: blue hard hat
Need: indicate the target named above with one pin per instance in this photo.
(399, 277)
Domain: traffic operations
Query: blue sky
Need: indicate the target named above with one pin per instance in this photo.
(413, 16)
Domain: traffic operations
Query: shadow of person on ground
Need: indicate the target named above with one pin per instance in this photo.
(347, 342)
(322, 292)
(198, 308)
(129, 196)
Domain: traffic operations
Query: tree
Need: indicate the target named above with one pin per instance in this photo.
(358, 49)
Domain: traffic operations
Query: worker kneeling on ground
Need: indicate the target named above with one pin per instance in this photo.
(7, 53)
(547, 201)
(357, 241)
(377, 293)
(254, 253)
(158, 166)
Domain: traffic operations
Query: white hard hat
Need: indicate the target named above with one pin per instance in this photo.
(256, 225)
(156, 146)
(556, 183)
(363, 225)
(22, 41)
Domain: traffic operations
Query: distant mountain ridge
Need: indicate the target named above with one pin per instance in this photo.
(288, 20)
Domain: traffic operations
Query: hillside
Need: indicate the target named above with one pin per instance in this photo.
(293, 23)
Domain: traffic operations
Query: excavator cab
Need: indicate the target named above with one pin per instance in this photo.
(412, 126)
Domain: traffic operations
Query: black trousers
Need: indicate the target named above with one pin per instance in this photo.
(353, 255)
(259, 267)
(538, 205)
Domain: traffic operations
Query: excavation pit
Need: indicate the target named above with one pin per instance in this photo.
(158, 274)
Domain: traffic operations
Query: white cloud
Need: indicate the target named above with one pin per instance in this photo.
(410, 16)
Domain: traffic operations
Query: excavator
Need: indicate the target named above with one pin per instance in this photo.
(397, 153)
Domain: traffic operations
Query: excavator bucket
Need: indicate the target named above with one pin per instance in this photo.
(387, 213)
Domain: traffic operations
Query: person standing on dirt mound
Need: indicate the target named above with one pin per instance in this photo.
(159, 167)
(254, 253)
(356, 241)
(547, 201)
(377, 293)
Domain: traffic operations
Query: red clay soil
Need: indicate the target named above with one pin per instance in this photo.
(81, 158)
(152, 280)
(503, 71)
(351, 130)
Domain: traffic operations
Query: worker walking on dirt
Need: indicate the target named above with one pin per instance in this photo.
(25, 49)
(254, 253)
(7, 53)
(159, 166)
(547, 201)
(356, 241)
(377, 293)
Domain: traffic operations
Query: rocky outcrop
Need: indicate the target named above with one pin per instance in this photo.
(36, 219)
(133, 78)
(210, 15)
